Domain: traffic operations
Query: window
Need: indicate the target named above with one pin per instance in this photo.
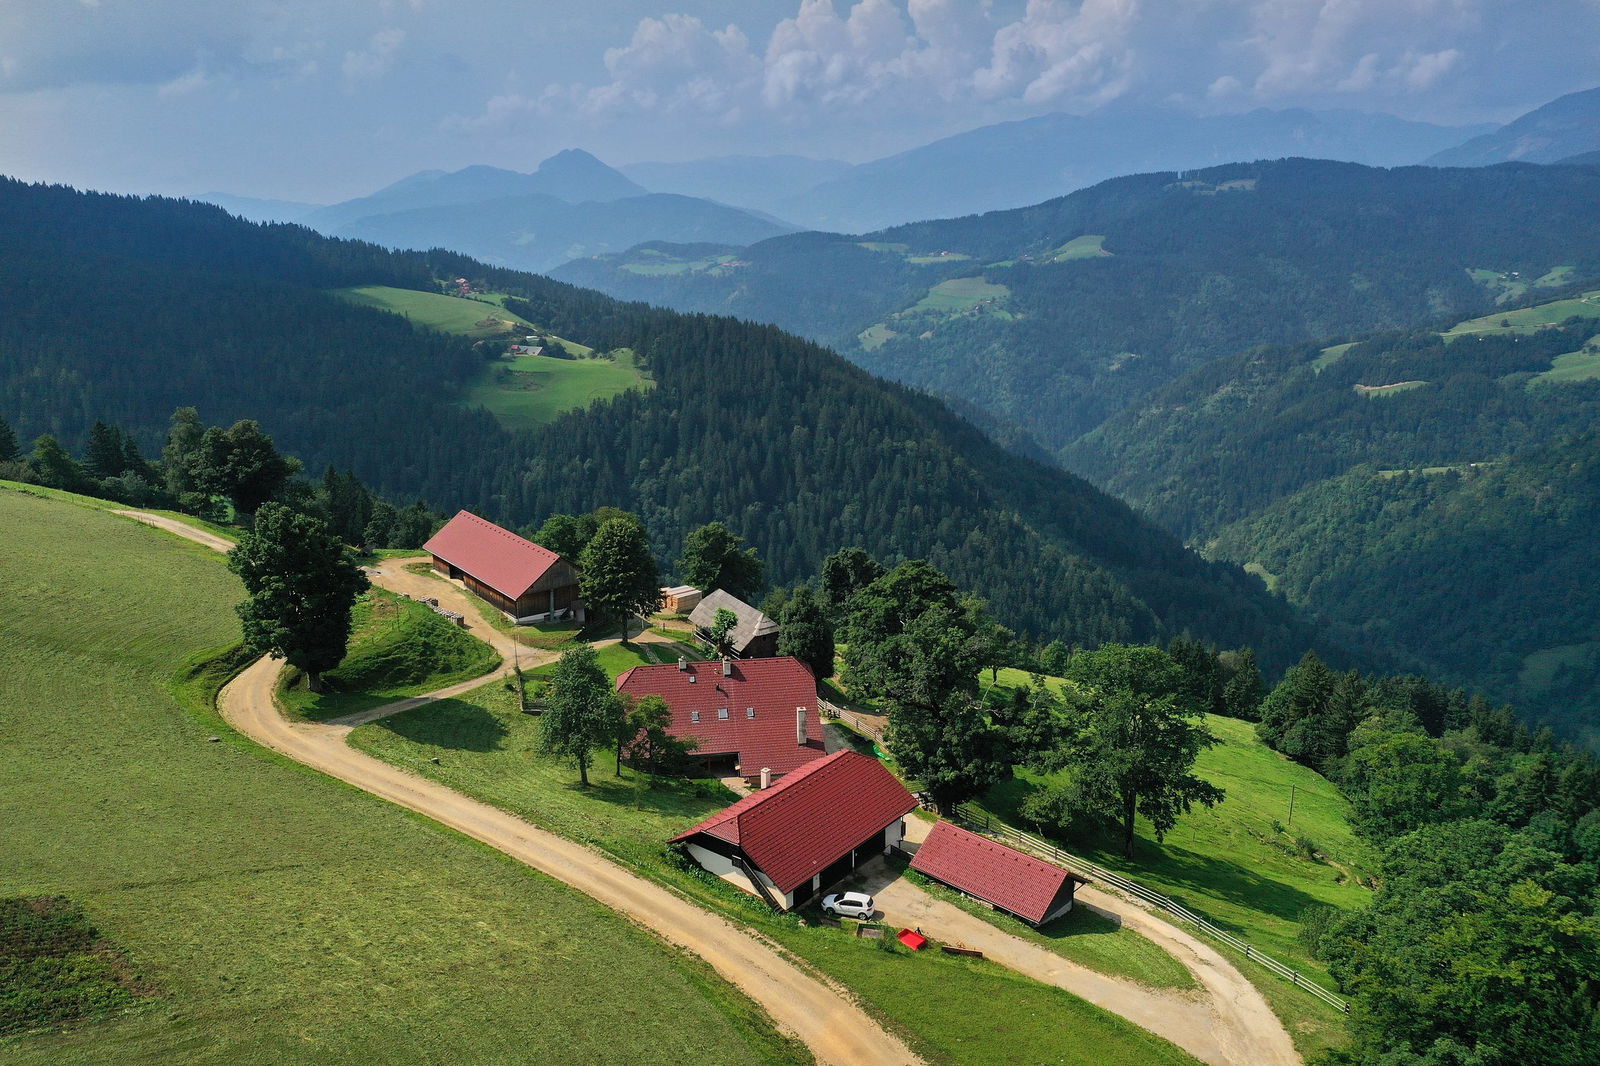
(749, 712)
(722, 712)
(694, 716)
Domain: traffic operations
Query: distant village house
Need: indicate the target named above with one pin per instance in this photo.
(527, 582)
(755, 717)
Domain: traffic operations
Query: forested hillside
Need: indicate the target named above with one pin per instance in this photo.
(1429, 495)
(123, 309)
(1057, 316)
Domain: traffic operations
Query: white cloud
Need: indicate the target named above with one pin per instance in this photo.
(184, 84)
(376, 59)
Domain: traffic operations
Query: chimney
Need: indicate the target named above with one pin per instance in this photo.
(766, 777)
(800, 726)
(683, 664)
(727, 666)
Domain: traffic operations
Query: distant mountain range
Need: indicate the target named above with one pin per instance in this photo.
(1565, 127)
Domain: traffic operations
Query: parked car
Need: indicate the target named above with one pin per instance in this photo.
(849, 905)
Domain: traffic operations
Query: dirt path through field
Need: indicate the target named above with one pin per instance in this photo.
(1233, 1026)
(837, 1031)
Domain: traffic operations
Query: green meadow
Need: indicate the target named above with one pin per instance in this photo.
(281, 917)
(1528, 319)
(531, 390)
(447, 314)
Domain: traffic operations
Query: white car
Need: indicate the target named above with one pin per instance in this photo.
(849, 905)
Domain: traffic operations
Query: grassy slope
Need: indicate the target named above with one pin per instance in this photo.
(543, 387)
(1233, 866)
(531, 390)
(486, 748)
(1528, 319)
(398, 648)
(286, 917)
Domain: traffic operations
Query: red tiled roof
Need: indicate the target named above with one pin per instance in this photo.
(774, 687)
(1010, 879)
(497, 557)
(812, 818)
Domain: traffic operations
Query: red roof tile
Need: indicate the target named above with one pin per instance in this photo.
(774, 688)
(1010, 879)
(497, 557)
(812, 818)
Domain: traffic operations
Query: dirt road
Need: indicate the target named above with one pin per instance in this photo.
(832, 1026)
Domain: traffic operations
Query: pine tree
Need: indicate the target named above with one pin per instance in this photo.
(10, 450)
(104, 456)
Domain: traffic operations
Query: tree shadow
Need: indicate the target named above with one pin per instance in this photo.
(453, 724)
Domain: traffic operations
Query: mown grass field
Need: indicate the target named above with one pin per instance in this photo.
(1242, 865)
(1330, 355)
(398, 648)
(1581, 365)
(957, 295)
(447, 314)
(952, 1010)
(1088, 246)
(1528, 319)
(531, 390)
(286, 917)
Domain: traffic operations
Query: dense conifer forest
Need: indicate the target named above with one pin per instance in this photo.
(125, 308)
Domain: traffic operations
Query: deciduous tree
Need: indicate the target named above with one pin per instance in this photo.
(714, 557)
(241, 463)
(302, 582)
(619, 577)
(806, 632)
(584, 712)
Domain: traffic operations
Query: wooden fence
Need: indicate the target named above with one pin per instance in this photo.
(983, 822)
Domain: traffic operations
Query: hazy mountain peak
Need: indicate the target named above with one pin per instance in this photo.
(1566, 126)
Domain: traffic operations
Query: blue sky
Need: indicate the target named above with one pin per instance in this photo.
(321, 100)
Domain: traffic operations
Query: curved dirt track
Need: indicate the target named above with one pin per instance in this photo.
(835, 1029)
(1235, 1027)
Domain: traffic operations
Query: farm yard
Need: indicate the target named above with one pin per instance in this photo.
(281, 916)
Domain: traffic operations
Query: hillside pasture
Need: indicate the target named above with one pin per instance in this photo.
(435, 310)
(1581, 365)
(952, 1011)
(284, 917)
(1371, 391)
(1088, 246)
(1330, 355)
(958, 295)
(528, 391)
(1528, 319)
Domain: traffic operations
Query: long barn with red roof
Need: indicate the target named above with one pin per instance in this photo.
(1003, 877)
(747, 716)
(519, 577)
(807, 831)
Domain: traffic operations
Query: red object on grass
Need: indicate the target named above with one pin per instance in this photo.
(912, 939)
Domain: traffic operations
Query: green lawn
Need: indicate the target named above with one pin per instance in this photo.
(957, 295)
(447, 314)
(285, 917)
(1237, 867)
(876, 336)
(398, 648)
(527, 391)
(1330, 355)
(1581, 365)
(952, 1010)
(1089, 246)
(1528, 319)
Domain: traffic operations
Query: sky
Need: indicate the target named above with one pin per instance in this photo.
(322, 100)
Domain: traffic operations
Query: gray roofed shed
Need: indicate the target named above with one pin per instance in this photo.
(754, 636)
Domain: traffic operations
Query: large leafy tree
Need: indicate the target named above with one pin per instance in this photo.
(806, 632)
(1135, 744)
(846, 572)
(647, 740)
(620, 578)
(241, 463)
(950, 748)
(54, 467)
(886, 659)
(584, 714)
(714, 557)
(302, 582)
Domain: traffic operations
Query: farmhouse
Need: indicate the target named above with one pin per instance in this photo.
(753, 636)
(807, 831)
(527, 582)
(755, 717)
(1003, 877)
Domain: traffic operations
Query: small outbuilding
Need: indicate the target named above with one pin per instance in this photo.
(680, 599)
(753, 636)
(1003, 877)
(754, 717)
(808, 831)
(527, 582)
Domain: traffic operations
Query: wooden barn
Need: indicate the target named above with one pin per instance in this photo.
(807, 832)
(754, 635)
(527, 582)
